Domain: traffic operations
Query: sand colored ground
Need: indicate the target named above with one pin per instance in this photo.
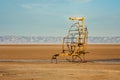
(60, 71)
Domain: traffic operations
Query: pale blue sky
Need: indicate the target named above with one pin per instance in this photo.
(50, 17)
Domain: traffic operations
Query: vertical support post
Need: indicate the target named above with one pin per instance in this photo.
(63, 44)
(83, 31)
(78, 32)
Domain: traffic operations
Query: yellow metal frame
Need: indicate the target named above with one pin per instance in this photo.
(76, 45)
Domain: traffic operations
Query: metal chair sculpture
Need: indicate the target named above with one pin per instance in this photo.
(75, 43)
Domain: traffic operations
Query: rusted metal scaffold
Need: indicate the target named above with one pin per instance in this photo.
(75, 43)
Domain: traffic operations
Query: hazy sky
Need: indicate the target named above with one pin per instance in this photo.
(50, 17)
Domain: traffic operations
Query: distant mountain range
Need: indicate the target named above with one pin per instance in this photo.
(104, 40)
(54, 40)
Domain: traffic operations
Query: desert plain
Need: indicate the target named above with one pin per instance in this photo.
(33, 62)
